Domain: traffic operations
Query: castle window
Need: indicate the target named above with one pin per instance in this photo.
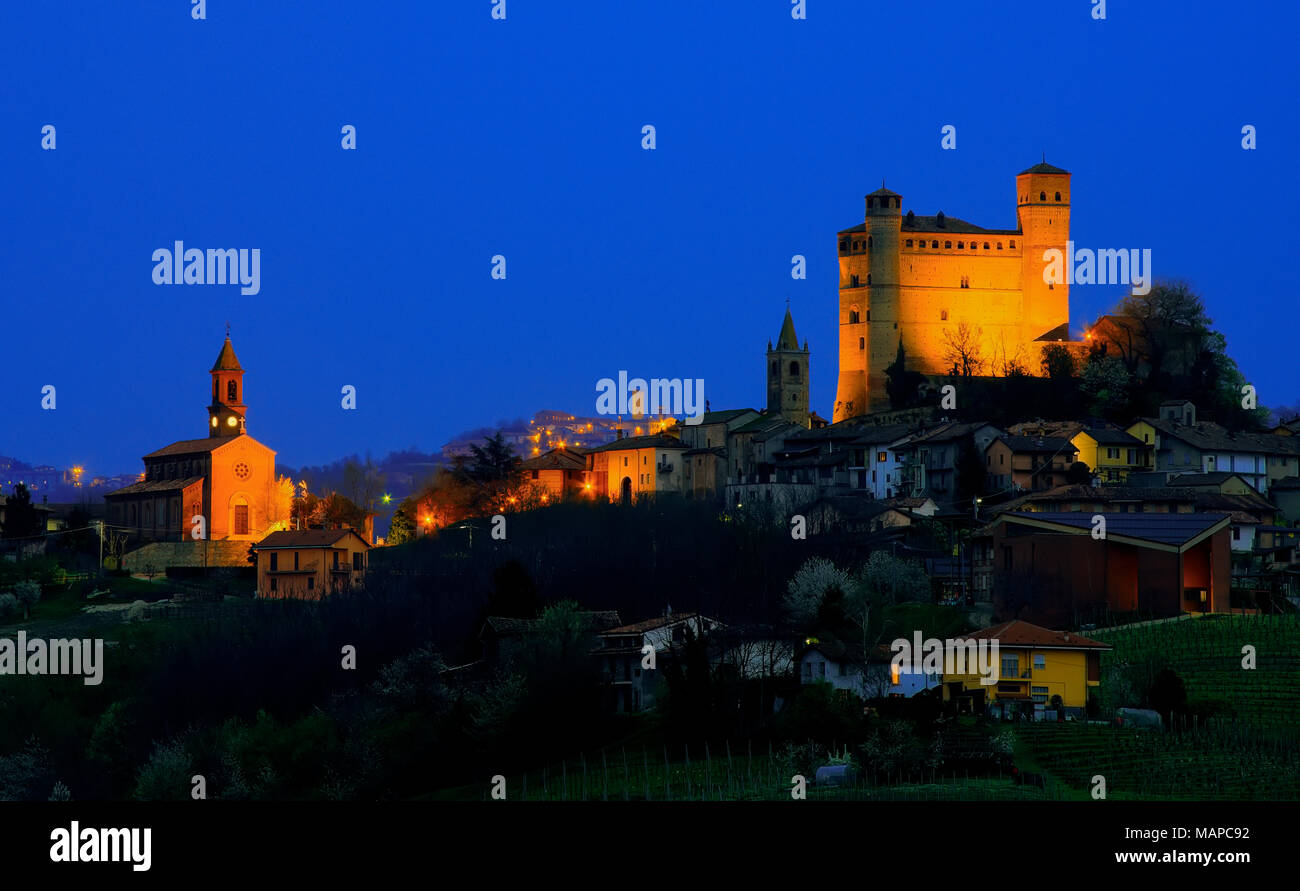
(999, 245)
(868, 278)
(943, 316)
(853, 280)
(1013, 244)
(232, 392)
(947, 244)
(853, 315)
(1058, 196)
(844, 245)
(869, 241)
(909, 242)
(776, 369)
(961, 245)
(871, 202)
(794, 369)
(986, 245)
(934, 244)
(1042, 196)
(862, 343)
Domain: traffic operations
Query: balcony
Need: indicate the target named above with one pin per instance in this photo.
(664, 468)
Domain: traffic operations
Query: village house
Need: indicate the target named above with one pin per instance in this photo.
(621, 652)
(1036, 666)
(308, 564)
(562, 471)
(1028, 463)
(843, 667)
(1189, 446)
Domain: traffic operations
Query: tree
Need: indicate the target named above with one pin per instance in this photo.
(402, 528)
(363, 483)
(806, 591)
(1079, 474)
(22, 520)
(1058, 362)
(28, 594)
(961, 348)
(901, 384)
(1167, 694)
(1106, 385)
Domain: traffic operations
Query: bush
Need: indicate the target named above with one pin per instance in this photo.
(8, 605)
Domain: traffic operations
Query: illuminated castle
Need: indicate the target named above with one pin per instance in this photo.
(917, 278)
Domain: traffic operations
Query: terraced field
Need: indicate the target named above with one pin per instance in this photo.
(1219, 764)
(1207, 654)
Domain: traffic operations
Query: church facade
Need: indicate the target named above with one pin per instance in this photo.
(227, 478)
(916, 279)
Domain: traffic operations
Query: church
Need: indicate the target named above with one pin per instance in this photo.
(227, 478)
(915, 279)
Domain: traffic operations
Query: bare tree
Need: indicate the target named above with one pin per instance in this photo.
(962, 349)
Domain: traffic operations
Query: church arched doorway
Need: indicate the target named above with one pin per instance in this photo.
(626, 490)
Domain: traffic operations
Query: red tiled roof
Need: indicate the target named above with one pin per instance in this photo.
(1018, 633)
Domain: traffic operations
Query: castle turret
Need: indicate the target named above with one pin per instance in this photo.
(1043, 211)
(869, 289)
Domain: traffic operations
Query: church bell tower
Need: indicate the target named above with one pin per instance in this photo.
(226, 413)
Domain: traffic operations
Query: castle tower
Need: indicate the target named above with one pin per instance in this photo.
(787, 376)
(1043, 212)
(226, 413)
(869, 304)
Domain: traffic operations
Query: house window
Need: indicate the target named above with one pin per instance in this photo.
(1040, 661)
(273, 581)
(807, 671)
(1008, 688)
(295, 561)
(1040, 694)
(336, 559)
(536, 473)
(1112, 453)
(311, 582)
(275, 562)
(882, 456)
(1011, 666)
(1236, 533)
(358, 561)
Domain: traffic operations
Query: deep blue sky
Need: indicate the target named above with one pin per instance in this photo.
(478, 137)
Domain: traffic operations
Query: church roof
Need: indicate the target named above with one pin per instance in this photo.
(1043, 168)
(198, 446)
(786, 340)
(226, 360)
(883, 192)
(156, 486)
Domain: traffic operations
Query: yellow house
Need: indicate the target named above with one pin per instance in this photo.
(307, 564)
(1112, 454)
(1036, 665)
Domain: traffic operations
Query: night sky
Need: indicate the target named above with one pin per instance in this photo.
(523, 138)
